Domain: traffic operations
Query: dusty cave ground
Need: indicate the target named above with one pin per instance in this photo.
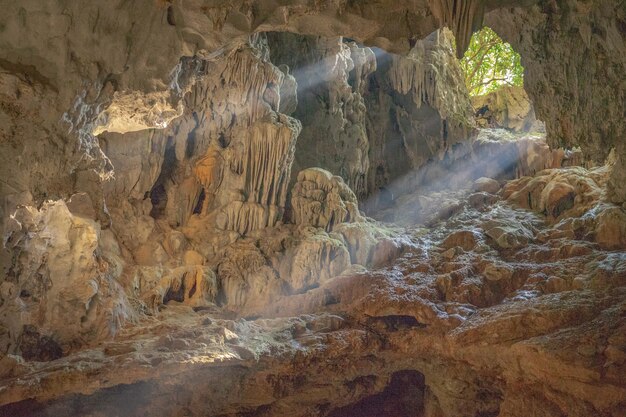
(260, 208)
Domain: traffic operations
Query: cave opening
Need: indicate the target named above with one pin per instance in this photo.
(490, 64)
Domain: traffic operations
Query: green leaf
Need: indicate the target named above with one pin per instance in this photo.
(490, 64)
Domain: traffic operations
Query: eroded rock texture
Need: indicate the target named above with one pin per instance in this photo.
(181, 195)
(573, 55)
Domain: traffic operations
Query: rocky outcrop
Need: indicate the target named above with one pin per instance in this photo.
(321, 200)
(556, 193)
(198, 208)
(328, 238)
(506, 108)
(60, 292)
(184, 195)
(224, 166)
(574, 200)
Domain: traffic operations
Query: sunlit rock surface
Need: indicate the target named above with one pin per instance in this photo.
(213, 250)
(508, 108)
(485, 325)
(60, 292)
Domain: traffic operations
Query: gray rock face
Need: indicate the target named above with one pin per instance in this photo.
(574, 56)
(331, 76)
(418, 108)
(369, 116)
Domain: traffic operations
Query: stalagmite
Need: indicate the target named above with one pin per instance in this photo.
(320, 199)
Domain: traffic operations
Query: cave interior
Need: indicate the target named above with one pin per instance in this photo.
(313, 208)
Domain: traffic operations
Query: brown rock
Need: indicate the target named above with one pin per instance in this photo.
(498, 272)
(611, 228)
(465, 239)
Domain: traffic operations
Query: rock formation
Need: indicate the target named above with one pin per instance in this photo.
(508, 108)
(331, 76)
(184, 197)
(358, 107)
(418, 110)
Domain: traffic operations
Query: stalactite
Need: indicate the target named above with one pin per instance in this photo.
(244, 217)
(269, 156)
(333, 75)
(430, 77)
(209, 171)
(463, 17)
(250, 82)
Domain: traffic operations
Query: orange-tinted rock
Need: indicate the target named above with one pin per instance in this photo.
(465, 239)
(611, 228)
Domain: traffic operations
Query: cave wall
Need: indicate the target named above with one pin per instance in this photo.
(418, 109)
(331, 76)
(190, 184)
(372, 117)
(574, 57)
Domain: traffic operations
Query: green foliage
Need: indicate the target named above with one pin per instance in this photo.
(490, 64)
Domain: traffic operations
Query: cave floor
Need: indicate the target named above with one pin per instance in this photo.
(490, 309)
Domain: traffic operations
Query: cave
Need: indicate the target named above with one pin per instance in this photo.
(314, 208)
